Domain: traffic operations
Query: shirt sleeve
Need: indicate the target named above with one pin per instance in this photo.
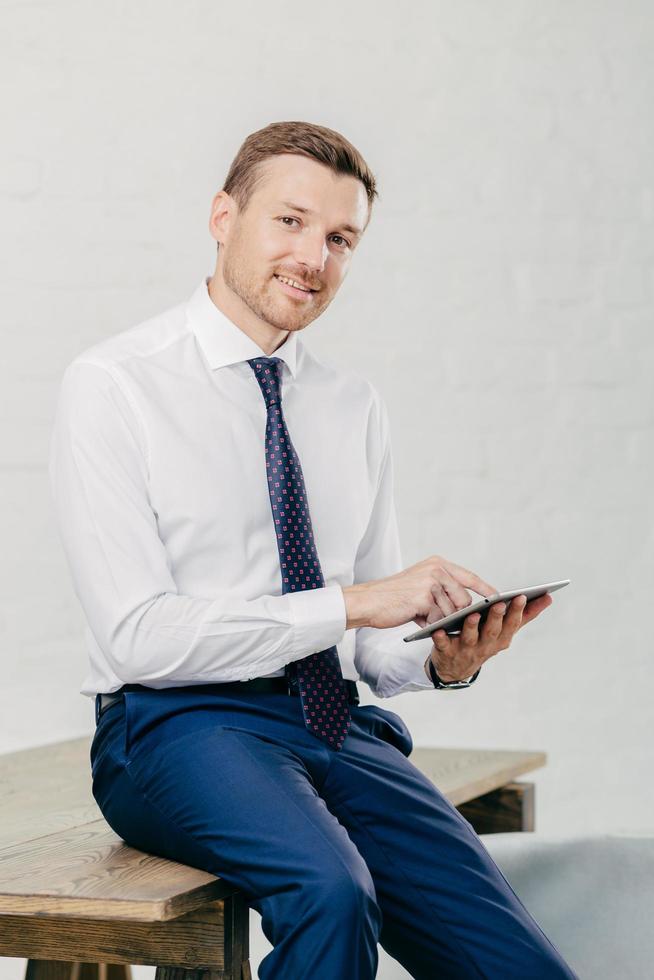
(382, 658)
(149, 633)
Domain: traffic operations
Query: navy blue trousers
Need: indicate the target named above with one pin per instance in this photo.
(337, 851)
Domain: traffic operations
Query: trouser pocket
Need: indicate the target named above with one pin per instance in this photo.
(390, 727)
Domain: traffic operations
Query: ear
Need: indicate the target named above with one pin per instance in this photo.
(223, 208)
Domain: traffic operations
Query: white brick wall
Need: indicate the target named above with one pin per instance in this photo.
(502, 300)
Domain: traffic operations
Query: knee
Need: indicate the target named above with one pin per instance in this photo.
(347, 895)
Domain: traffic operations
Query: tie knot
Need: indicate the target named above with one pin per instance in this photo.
(267, 371)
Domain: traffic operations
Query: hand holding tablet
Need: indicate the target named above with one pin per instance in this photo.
(452, 624)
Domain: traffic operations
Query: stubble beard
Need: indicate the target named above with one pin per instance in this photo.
(260, 300)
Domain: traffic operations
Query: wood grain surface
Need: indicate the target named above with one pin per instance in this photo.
(58, 856)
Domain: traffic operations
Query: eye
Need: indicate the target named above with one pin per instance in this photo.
(288, 217)
(344, 240)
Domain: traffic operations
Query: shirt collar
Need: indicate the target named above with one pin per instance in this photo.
(222, 341)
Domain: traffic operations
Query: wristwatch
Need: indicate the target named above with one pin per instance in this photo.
(450, 685)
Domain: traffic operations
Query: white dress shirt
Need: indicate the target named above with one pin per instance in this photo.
(157, 473)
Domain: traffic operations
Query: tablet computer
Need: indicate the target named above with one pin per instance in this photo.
(453, 623)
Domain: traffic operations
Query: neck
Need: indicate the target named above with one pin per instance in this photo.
(265, 336)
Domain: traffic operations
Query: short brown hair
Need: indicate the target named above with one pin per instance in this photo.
(304, 139)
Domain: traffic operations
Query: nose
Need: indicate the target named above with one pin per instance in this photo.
(311, 252)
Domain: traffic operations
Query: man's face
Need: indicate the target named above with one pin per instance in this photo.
(273, 238)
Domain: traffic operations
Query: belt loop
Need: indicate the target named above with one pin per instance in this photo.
(97, 708)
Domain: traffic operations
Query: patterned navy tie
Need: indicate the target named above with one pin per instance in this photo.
(323, 691)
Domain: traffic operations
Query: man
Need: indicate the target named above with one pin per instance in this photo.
(225, 502)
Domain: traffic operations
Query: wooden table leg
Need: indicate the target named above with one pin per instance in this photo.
(182, 973)
(236, 917)
(225, 935)
(510, 807)
(237, 938)
(60, 970)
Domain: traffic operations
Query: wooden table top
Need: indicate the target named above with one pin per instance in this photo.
(58, 856)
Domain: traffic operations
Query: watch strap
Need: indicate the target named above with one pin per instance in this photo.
(450, 685)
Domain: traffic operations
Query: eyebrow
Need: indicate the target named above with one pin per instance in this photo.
(296, 207)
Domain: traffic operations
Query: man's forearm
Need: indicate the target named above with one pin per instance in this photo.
(356, 606)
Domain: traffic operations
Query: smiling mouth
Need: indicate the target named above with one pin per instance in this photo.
(295, 284)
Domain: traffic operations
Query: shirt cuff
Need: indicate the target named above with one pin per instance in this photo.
(319, 619)
(406, 671)
(416, 676)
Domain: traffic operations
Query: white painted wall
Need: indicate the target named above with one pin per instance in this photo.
(502, 301)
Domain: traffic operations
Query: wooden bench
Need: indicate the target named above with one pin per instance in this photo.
(79, 904)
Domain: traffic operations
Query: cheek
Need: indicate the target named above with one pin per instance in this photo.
(259, 251)
(335, 275)
(273, 245)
